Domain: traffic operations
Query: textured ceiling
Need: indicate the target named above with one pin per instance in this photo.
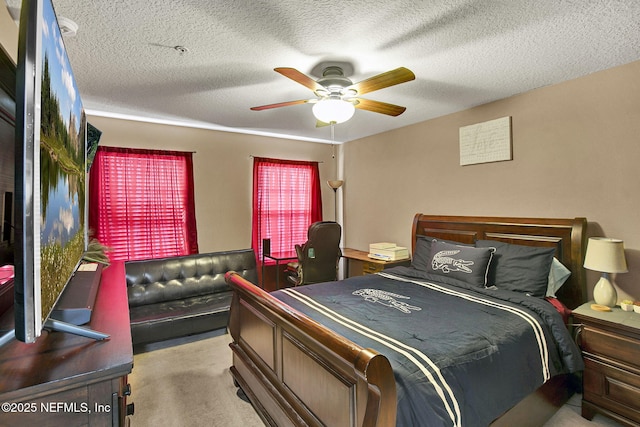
(463, 52)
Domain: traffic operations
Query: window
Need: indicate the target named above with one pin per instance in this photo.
(141, 203)
(286, 201)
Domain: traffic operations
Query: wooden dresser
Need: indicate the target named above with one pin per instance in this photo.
(68, 380)
(610, 343)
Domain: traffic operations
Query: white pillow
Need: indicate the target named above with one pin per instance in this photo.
(558, 274)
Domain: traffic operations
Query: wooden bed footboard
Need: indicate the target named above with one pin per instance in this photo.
(297, 372)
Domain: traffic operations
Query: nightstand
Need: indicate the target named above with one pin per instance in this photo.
(610, 343)
(359, 263)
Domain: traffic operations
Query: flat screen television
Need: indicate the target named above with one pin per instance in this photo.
(50, 171)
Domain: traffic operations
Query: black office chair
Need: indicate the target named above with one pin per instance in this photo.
(318, 257)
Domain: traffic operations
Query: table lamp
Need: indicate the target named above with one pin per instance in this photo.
(607, 256)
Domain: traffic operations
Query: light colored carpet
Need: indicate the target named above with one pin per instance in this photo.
(569, 416)
(187, 383)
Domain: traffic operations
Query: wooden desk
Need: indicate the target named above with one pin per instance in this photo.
(277, 257)
(67, 380)
(359, 263)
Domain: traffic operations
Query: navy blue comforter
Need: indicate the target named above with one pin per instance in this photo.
(461, 355)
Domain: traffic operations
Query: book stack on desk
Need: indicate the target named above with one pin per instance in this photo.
(387, 251)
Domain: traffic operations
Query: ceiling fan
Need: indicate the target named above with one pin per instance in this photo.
(338, 96)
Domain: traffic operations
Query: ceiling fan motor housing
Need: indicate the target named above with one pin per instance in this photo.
(334, 80)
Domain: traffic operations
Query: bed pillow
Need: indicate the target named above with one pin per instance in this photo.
(466, 263)
(421, 258)
(558, 274)
(519, 268)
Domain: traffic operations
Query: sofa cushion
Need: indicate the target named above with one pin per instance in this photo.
(158, 322)
(182, 308)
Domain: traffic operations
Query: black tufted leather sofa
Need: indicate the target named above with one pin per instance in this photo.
(179, 296)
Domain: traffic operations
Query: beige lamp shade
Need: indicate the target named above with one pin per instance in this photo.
(605, 255)
(335, 184)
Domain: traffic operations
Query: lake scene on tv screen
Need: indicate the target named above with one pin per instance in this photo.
(62, 166)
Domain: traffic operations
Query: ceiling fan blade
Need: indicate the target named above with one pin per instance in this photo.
(299, 77)
(379, 107)
(390, 78)
(280, 104)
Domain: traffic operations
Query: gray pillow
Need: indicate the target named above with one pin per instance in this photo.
(460, 262)
(558, 274)
(519, 268)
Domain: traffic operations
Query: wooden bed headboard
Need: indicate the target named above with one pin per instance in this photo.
(568, 236)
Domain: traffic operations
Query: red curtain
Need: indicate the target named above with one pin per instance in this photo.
(286, 201)
(141, 203)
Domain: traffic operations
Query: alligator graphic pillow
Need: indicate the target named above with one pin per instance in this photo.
(421, 259)
(464, 263)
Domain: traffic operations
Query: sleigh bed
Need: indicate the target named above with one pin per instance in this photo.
(415, 345)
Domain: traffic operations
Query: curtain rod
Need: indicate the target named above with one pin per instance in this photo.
(293, 160)
(104, 146)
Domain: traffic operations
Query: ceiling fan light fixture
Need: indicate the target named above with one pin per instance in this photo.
(333, 110)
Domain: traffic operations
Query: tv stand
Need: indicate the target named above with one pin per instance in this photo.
(6, 337)
(66, 379)
(57, 325)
